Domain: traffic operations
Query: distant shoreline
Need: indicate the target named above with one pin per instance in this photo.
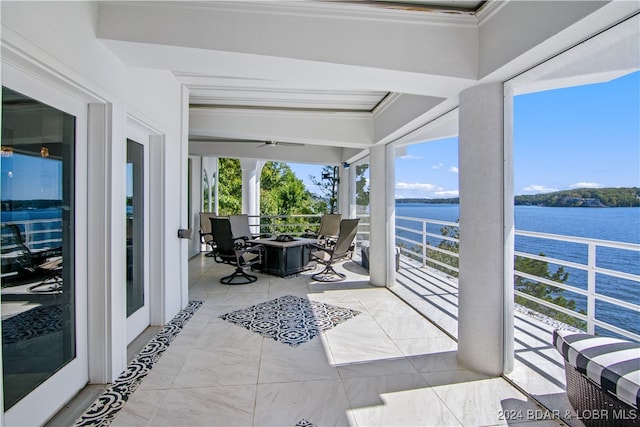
(578, 198)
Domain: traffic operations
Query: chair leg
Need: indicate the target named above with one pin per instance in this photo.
(239, 273)
(328, 275)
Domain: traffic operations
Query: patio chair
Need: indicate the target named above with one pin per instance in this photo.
(42, 268)
(206, 236)
(240, 227)
(331, 255)
(235, 252)
(328, 230)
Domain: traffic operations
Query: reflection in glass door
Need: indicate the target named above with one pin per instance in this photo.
(38, 253)
(135, 227)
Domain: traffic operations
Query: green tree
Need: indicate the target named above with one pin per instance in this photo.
(543, 291)
(447, 245)
(328, 185)
(362, 185)
(282, 193)
(229, 187)
(530, 266)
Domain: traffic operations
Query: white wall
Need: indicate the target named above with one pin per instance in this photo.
(59, 37)
(196, 202)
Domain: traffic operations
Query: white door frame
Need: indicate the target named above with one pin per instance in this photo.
(48, 397)
(140, 320)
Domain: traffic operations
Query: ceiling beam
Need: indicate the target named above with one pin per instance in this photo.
(298, 30)
(353, 130)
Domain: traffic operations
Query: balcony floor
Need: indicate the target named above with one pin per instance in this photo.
(386, 366)
(538, 366)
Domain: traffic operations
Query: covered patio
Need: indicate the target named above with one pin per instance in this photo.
(336, 83)
(384, 364)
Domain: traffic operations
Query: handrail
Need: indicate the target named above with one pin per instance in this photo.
(591, 268)
(37, 236)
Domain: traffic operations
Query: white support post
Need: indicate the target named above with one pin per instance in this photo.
(251, 170)
(390, 213)
(378, 238)
(345, 189)
(352, 206)
(485, 311)
(216, 186)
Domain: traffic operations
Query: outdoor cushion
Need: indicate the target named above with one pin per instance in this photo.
(613, 364)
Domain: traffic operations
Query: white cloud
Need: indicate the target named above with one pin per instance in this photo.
(447, 193)
(417, 186)
(410, 157)
(537, 189)
(586, 185)
(425, 190)
(453, 169)
(438, 166)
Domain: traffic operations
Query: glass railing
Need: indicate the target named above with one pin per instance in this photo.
(587, 283)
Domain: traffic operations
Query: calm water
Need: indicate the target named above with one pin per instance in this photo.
(615, 224)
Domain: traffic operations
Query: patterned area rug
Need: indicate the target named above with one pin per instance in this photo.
(105, 408)
(33, 323)
(289, 319)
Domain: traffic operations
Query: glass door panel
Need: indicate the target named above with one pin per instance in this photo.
(38, 253)
(135, 227)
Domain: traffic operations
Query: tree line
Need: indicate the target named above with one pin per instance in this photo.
(281, 192)
(583, 197)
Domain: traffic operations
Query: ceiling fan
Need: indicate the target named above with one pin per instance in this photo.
(278, 144)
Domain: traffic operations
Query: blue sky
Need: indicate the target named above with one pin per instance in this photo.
(587, 136)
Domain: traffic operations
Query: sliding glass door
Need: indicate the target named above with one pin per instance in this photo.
(40, 290)
(137, 284)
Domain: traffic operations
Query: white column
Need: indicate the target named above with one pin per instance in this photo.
(210, 170)
(379, 219)
(251, 170)
(352, 209)
(390, 213)
(106, 186)
(345, 188)
(485, 310)
(216, 186)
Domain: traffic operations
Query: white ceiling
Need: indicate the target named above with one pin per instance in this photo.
(338, 76)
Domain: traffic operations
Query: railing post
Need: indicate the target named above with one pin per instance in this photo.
(28, 238)
(424, 243)
(591, 288)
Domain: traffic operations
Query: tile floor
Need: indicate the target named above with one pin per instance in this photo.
(387, 366)
(538, 366)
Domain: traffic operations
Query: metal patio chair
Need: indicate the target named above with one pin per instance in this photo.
(230, 250)
(328, 231)
(331, 255)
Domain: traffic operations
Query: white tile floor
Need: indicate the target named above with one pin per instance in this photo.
(538, 366)
(387, 366)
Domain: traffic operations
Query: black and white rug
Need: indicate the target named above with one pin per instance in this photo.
(105, 408)
(289, 319)
(33, 323)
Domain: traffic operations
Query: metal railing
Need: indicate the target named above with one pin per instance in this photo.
(418, 241)
(38, 234)
(273, 225)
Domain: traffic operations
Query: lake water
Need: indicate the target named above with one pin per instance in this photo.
(614, 224)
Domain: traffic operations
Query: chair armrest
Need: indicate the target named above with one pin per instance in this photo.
(203, 235)
(321, 248)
